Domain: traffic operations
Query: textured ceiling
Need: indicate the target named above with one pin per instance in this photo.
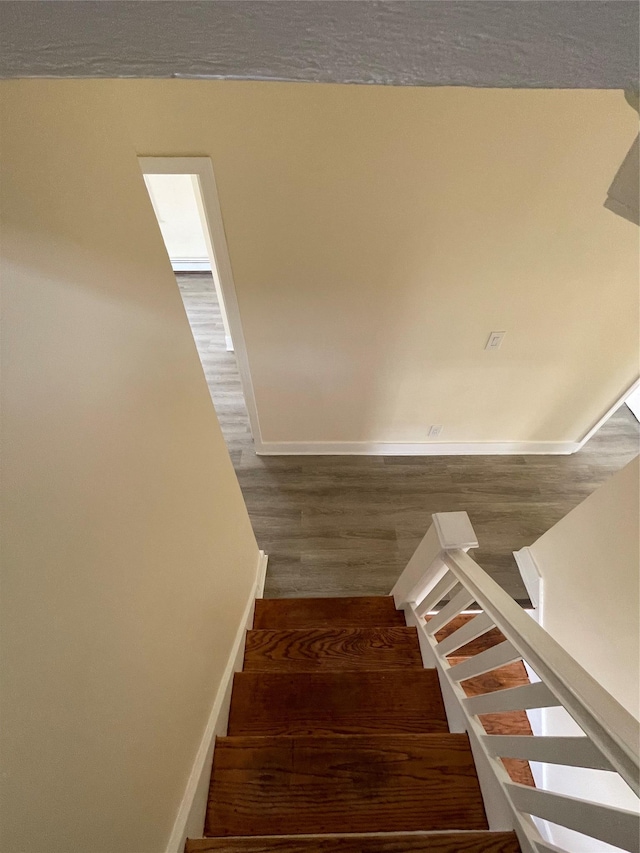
(516, 43)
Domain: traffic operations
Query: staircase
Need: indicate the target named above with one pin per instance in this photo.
(338, 741)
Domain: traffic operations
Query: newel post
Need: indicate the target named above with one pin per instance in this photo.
(449, 531)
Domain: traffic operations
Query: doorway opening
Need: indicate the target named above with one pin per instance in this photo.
(184, 198)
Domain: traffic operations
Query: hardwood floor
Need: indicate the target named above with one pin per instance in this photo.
(335, 755)
(331, 649)
(339, 526)
(337, 703)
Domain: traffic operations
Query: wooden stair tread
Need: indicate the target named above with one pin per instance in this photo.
(480, 644)
(391, 701)
(448, 842)
(509, 723)
(383, 783)
(512, 675)
(326, 649)
(363, 612)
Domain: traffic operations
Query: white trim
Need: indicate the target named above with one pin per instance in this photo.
(228, 343)
(633, 403)
(594, 429)
(490, 771)
(261, 576)
(202, 213)
(600, 716)
(189, 821)
(190, 264)
(611, 732)
(202, 168)
(452, 529)
(531, 576)
(431, 448)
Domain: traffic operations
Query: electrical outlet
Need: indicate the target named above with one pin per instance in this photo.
(435, 430)
(495, 340)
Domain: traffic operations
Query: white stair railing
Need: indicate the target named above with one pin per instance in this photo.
(441, 568)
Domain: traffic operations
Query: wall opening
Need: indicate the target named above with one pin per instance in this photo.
(177, 204)
(174, 200)
(183, 195)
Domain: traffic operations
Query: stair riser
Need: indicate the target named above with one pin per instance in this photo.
(494, 842)
(281, 613)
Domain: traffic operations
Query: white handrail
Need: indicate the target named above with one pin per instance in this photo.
(441, 563)
(610, 726)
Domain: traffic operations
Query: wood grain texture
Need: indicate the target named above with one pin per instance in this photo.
(283, 785)
(485, 641)
(448, 842)
(347, 525)
(328, 649)
(512, 675)
(394, 702)
(508, 723)
(359, 612)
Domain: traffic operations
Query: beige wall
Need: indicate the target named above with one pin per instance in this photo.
(128, 556)
(378, 235)
(590, 566)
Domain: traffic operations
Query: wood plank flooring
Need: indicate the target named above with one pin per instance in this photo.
(343, 526)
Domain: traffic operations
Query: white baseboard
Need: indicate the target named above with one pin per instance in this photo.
(437, 448)
(531, 578)
(431, 448)
(228, 343)
(189, 822)
(190, 264)
(261, 576)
